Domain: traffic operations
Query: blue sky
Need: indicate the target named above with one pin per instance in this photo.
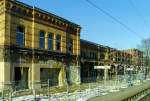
(99, 28)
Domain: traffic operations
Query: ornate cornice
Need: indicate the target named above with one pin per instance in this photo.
(41, 16)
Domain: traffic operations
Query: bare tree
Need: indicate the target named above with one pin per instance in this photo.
(145, 47)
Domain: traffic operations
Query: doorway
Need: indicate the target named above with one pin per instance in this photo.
(21, 78)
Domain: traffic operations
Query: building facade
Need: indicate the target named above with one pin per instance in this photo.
(89, 58)
(118, 61)
(36, 46)
(137, 56)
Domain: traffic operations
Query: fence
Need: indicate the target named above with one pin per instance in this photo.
(50, 90)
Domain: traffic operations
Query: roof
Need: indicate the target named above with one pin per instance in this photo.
(92, 43)
(43, 11)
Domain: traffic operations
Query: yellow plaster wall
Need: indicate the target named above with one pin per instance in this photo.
(2, 71)
(48, 29)
(32, 34)
(32, 30)
(8, 25)
(2, 28)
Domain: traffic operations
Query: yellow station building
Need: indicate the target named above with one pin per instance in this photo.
(36, 46)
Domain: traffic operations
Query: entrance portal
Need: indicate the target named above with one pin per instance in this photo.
(88, 73)
(49, 75)
(21, 78)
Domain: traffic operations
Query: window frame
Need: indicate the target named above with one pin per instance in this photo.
(41, 46)
(18, 34)
(58, 42)
(50, 40)
(70, 41)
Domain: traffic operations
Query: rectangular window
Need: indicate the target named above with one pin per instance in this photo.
(91, 55)
(50, 41)
(42, 40)
(20, 36)
(58, 42)
(70, 46)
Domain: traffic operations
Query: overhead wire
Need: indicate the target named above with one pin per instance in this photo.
(140, 15)
(138, 11)
(114, 18)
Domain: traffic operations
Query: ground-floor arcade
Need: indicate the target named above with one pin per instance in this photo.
(88, 73)
(24, 68)
(34, 76)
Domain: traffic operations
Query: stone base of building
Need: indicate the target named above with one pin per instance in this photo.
(36, 76)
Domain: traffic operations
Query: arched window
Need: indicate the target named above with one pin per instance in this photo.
(20, 33)
(42, 40)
